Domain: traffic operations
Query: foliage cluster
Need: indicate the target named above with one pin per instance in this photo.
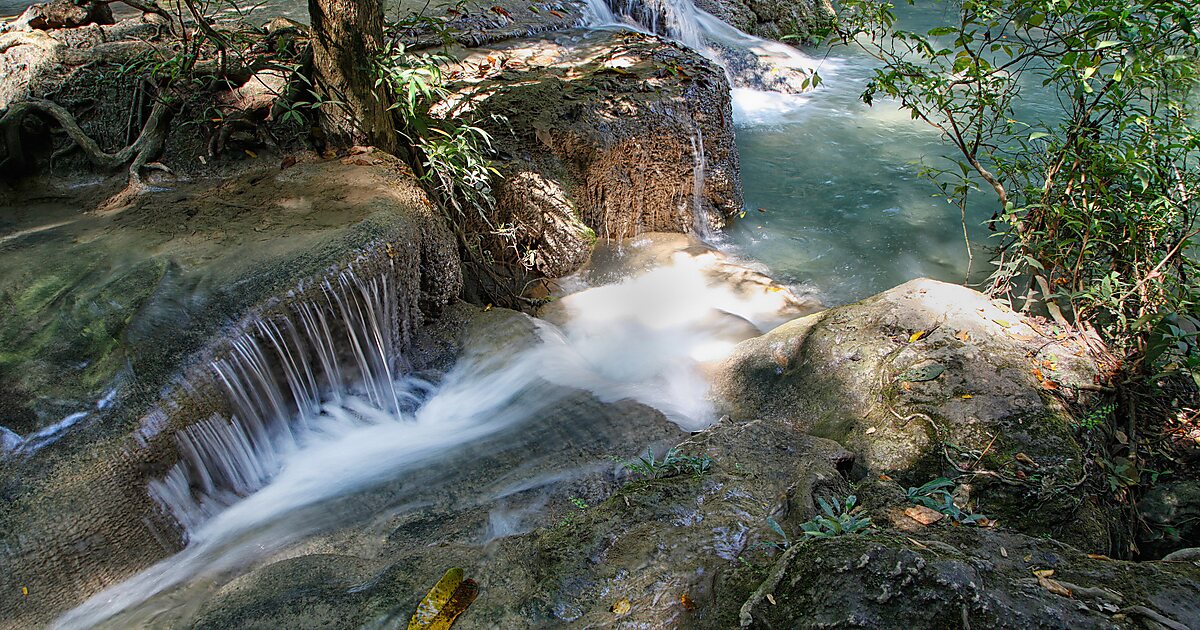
(1098, 208)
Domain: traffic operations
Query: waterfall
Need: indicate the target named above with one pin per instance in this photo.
(750, 62)
(278, 379)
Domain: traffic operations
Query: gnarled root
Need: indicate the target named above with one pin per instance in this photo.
(137, 155)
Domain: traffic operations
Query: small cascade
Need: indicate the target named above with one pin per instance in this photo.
(277, 379)
(674, 19)
(750, 62)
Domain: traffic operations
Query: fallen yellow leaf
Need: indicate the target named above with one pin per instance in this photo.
(25, 591)
(250, 153)
(771, 598)
(621, 607)
(967, 397)
(916, 336)
(444, 602)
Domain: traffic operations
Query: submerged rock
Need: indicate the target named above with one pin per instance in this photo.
(929, 379)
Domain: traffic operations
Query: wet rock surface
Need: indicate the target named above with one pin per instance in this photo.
(966, 578)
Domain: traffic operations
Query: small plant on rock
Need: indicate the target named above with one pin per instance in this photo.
(673, 462)
(837, 518)
(936, 495)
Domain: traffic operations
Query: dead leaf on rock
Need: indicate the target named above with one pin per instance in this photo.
(444, 602)
(771, 598)
(686, 601)
(621, 607)
(916, 336)
(924, 515)
(1043, 578)
(1026, 460)
(871, 430)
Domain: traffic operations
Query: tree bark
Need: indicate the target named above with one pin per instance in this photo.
(346, 35)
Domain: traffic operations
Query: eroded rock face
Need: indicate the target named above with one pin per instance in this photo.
(927, 379)
(76, 512)
(619, 135)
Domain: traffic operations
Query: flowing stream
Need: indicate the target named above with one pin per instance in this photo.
(348, 423)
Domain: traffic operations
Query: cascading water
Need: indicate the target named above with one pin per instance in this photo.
(246, 487)
(277, 378)
(750, 62)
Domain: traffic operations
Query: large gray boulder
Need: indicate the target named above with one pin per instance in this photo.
(931, 379)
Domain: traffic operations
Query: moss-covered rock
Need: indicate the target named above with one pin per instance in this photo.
(807, 21)
(931, 379)
(615, 135)
(948, 577)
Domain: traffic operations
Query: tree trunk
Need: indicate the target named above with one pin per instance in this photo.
(346, 34)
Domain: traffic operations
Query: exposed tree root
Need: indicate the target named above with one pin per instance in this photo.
(137, 155)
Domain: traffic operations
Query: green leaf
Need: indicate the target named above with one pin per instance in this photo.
(926, 372)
